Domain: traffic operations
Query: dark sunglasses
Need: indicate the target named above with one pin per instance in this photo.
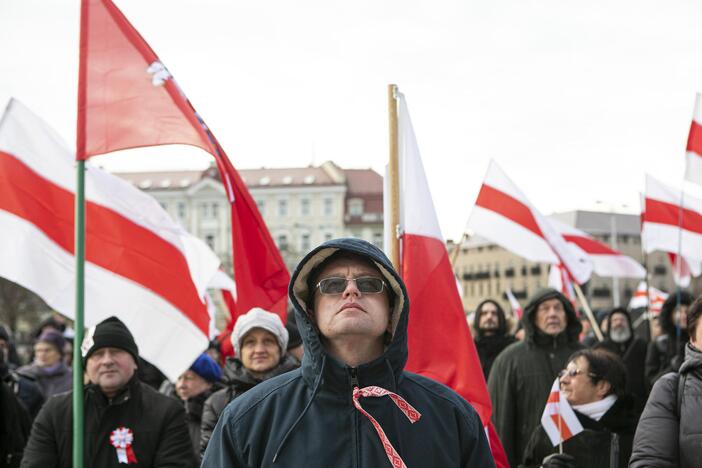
(365, 284)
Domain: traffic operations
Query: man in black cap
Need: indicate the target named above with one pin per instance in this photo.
(126, 421)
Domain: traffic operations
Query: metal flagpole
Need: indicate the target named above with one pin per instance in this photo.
(78, 419)
(394, 176)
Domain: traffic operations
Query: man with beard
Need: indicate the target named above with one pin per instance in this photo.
(491, 337)
(620, 339)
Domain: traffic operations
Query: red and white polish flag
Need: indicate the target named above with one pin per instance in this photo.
(693, 163)
(656, 296)
(662, 220)
(558, 419)
(684, 269)
(140, 266)
(439, 341)
(558, 280)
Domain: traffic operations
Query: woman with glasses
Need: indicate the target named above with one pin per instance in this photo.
(593, 383)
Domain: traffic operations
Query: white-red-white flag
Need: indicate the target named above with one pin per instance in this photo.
(504, 215)
(558, 419)
(656, 297)
(439, 341)
(693, 163)
(141, 266)
(684, 269)
(671, 221)
(514, 304)
(558, 280)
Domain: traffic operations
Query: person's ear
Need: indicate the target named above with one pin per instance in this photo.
(603, 388)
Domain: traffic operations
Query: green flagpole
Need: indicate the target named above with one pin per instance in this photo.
(78, 419)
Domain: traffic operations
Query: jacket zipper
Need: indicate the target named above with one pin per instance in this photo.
(356, 459)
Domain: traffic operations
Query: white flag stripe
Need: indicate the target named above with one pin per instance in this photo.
(568, 418)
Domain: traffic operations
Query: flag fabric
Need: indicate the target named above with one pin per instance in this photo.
(684, 269)
(127, 98)
(504, 215)
(672, 222)
(141, 266)
(656, 296)
(514, 304)
(693, 167)
(558, 419)
(439, 341)
(558, 279)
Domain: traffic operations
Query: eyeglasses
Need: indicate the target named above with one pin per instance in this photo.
(573, 372)
(365, 284)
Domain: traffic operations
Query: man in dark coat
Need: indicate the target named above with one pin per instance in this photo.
(351, 404)
(118, 408)
(524, 372)
(669, 433)
(620, 339)
(491, 335)
(667, 351)
(14, 428)
(22, 385)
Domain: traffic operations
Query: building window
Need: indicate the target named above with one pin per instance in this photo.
(215, 210)
(181, 210)
(282, 241)
(328, 206)
(355, 207)
(204, 210)
(305, 206)
(210, 241)
(304, 242)
(261, 204)
(282, 207)
(378, 239)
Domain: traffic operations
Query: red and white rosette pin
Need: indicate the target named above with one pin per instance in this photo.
(122, 439)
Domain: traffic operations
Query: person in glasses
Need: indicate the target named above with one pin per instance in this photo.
(260, 341)
(594, 384)
(524, 372)
(351, 404)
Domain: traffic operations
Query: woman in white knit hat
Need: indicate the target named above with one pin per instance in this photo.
(260, 341)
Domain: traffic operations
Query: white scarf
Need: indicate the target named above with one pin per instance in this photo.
(596, 409)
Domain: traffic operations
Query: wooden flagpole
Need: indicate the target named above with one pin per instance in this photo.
(394, 178)
(588, 311)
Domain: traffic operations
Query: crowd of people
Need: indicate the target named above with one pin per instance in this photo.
(346, 400)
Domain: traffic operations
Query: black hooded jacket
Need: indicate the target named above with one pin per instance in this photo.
(307, 417)
(667, 351)
(522, 375)
(633, 353)
(489, 346)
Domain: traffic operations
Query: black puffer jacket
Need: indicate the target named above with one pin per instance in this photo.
(489, 346)
(307, 417)
(599, 442)
(522, 375)
(669, 433)
(237, 381)
(667, 351)
(157, 422)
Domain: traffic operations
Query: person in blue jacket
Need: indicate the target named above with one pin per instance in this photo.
(351, 403)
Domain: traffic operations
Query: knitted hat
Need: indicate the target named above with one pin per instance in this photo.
(207, 368)
(54, 338)
(259, 318)
(112, 333)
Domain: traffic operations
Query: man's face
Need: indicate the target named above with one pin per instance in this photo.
(488, 318)
(680, 316)
(619, 330)
(190, 385)
(46, 354)
(551, 317)
(111, 369)
(351, 312)
(260, 351)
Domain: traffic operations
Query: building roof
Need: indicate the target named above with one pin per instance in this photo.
(597, 222)
(363, 182)
(162, 180)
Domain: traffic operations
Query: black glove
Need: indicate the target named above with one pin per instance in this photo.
(558, 460)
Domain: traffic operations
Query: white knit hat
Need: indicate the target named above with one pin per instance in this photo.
(259, 318)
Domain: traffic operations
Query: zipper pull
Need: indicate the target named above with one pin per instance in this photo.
(354, 377)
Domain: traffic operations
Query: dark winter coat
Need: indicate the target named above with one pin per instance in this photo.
(51, 383)
(490, 346)
(193, 411)
(15, 424)
(25, 389)
(522, 375)
(667, 351)
(633, 353)
(670, 430)
(598, 443)
(157, 422)
(307, 417)
(237, 380)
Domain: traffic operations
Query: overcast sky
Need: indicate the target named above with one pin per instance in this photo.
(575, 100)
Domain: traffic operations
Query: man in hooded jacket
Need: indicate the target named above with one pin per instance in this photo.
(349, 406)
(491, 335)
(523, 373)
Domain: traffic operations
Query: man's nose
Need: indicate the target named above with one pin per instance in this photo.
(351, 289)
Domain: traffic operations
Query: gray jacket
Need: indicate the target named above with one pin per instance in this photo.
(669, 433)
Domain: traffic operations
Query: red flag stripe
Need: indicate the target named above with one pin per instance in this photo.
(694, 140)
(113, 242)
(495, 200)
(668, 213)
(561, 424)
(590, 246)
(554, 397)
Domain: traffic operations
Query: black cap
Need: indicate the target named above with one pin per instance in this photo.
(112, 333)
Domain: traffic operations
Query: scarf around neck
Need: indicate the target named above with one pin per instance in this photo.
(596, 409)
